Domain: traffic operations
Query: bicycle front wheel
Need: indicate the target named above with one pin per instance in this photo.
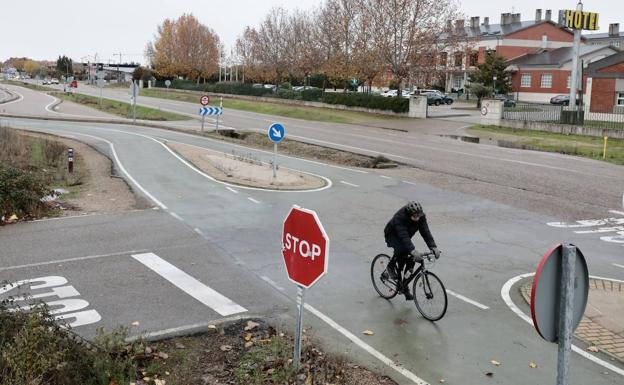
(430, 296)
(383, 284)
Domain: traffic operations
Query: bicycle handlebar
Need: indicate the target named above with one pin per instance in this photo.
(426, 254)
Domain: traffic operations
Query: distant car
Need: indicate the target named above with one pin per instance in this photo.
(304, 88)
(46, 81)
(445, 98)
(389, 93)
(54, 81)
(433, 98)
(563, 100)
(507, 102)
(73, 84)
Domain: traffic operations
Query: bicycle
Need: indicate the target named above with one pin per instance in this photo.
(429, 292)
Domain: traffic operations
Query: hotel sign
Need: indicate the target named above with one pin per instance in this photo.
(575, 19)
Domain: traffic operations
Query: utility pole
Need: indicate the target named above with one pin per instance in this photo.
(118, 73)
(574, 79)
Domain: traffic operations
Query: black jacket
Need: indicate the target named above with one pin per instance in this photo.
(401, 228)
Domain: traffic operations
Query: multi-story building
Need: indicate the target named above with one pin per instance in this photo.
(614, 37)
(511, 38)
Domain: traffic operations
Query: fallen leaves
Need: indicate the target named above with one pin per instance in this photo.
(593, 349)
(251, 325)
(136, 323)
(532, 365)
(225, 348)
(495, 363)
(368, 332)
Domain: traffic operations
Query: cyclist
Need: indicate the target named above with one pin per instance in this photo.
(398, 234)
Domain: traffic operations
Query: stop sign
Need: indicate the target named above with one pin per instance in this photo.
(305, 247)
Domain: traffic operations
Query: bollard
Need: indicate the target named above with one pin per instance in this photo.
(70, 160)
(604, 149)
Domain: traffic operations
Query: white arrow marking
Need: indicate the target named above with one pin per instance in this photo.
(276, 133)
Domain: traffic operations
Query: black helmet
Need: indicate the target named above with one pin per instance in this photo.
(414, 207)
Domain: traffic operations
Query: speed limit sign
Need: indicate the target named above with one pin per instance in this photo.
(204, 100)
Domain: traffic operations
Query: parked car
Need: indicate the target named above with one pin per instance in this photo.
(389, 93)
(46, 81)
(507, 102)
(433, 98)
(445, 98)
(304, 88)
(563, 100)
(54, 81)
(73, 84)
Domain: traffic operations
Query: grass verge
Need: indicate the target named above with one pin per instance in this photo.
(290, 111)
(585, 146)
(30, 167)
(303, 150)
(120, 108)
(34, 87)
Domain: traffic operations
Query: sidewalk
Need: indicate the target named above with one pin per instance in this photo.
(602, 325)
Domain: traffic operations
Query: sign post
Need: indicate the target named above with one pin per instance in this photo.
(558, 300)
(575, 60)
(70, 160)
(203, 111)
(305, 248)
(276, 134)
(135, 93)
(167, 84)
(204, 101)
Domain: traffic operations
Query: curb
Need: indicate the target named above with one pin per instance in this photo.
(588, 331)
(12, 98)
(193, 329)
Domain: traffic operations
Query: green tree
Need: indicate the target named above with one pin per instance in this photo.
(64, 65)
(480, 91)
(494, 65)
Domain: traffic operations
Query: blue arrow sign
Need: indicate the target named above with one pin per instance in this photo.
(276, 132)
(211, 111)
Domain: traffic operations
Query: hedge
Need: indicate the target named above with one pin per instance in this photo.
(367, 101)
(351, 99)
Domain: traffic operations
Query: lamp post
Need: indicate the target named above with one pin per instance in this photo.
(494, 85)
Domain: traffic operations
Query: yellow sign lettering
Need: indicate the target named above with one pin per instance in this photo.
(578, 20)
(569, 19)
(586, 20)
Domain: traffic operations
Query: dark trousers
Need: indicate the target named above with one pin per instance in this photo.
(400, 261)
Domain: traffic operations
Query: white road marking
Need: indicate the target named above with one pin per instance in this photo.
(184, 330)
(375, 353)
(253, 200)
(59, 261)
(176, 216)
(349, 184)
(616, 265)
(21, 97)
(272, 283)
(198, 231)
(616, 212)
(507, 298)
(410, 183)
(190, 285)
(385, 177)
(468, 300)
(601, 230)
(123, 169)
(231, 189)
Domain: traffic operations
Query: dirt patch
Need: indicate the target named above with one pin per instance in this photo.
(244, 169)
(248, 352)
(99, 192)
(304, 150)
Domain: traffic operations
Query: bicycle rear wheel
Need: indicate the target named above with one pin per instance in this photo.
(384, 286)
(430, 296)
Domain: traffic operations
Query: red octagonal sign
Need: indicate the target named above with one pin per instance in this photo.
(305, 247)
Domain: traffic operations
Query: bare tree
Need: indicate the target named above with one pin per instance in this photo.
(406, 31)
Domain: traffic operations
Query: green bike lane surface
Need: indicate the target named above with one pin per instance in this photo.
(485, 244)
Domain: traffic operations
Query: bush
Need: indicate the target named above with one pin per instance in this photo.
(312, 95)
(21, 192)
(367, 101)
(36, 350)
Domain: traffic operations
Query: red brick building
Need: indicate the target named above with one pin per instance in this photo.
(537, 77)
(605, 85)
(511, 38)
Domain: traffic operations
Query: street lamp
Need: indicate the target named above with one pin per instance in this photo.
(494, 85)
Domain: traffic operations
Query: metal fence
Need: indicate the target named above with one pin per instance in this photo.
(580, 115)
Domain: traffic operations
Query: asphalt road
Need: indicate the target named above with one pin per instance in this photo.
(229, 239)
(482, 252)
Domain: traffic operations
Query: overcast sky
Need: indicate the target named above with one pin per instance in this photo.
(45, 29)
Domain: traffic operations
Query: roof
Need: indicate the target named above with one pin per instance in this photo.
(594, 68)
(556, 57)
(592, 36)
(494, 30)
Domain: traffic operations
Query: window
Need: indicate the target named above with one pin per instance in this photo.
(525, 81)
(457, 82)
(473, 59)
(568, 81)
(459, 58)
(443, 58)
(546, 81)
(620, 98)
